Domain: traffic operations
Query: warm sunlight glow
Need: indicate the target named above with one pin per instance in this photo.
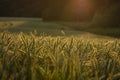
(79, 9)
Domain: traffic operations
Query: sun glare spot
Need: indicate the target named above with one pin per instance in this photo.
(79, 8)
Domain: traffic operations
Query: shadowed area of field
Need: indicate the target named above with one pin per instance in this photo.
(27, 25)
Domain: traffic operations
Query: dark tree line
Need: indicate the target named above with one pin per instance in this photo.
(47, 9)
(107, 14)
(54, 9)
(21, 8)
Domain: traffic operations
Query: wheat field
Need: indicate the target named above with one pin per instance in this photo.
(31, 57)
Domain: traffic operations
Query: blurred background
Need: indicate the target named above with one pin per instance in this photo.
(94, 13)
(73, 10)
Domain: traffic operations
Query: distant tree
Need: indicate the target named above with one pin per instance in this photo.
(53, 9)
(107, 14)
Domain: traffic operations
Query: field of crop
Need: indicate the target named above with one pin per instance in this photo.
(27, 25)
(32, 57)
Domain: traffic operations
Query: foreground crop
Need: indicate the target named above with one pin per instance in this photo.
(29, 57)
